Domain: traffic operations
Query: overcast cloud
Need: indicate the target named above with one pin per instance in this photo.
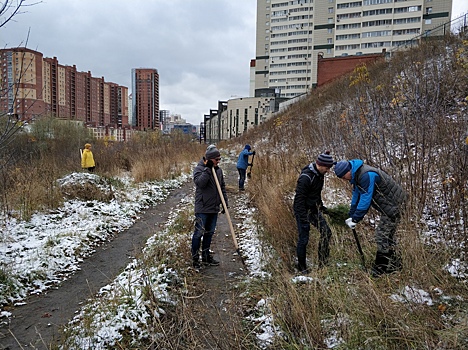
(201, 48)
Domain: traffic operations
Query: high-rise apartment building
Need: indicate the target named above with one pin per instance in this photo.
(34, 86)
(145, 98)
(292, 34)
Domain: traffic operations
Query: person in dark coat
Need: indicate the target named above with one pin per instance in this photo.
(373, 187)
(242, 165)
(207, 205)
(309, 209)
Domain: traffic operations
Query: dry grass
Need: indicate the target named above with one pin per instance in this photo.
(35, 160)
(405, 116)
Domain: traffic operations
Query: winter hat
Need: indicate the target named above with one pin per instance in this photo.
(212, 153)
(88, 145)
(342, 167)
(247, 147)
(325, 159)
(210, 147)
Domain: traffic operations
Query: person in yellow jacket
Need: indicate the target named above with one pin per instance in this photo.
(87, 159)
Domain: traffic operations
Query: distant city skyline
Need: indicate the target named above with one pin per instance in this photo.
(202, 49)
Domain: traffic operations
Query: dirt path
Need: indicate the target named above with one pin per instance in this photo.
(216, 309)
(213, 309)
(37, 323)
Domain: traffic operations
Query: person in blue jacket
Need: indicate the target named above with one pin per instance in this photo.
(373, 187)
(242, 165)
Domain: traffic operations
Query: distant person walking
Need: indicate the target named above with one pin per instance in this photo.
(242, 165)
(207, 205)
(309, 209)
(87, 159)
(373, 187)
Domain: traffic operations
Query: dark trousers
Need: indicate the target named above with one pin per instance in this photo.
(205, 225)
(241, 177)
(316, 219)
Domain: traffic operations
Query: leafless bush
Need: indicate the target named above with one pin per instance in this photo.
(49, 149)
(408, 116)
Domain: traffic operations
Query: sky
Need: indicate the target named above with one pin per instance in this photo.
(201, 48)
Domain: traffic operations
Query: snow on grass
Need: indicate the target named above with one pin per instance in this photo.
(45, 250)
(257, 254)
(139, 295)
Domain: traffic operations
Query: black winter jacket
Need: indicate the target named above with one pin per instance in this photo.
(207, 199)
(308, 195)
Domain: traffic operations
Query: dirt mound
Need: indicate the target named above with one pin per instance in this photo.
(85, 186)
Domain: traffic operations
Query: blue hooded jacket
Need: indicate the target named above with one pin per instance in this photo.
(243, 160)
(372, 186)
(362, 194)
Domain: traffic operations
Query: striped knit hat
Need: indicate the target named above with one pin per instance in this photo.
(325, 159)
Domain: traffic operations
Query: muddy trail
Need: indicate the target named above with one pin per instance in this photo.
(213, 311)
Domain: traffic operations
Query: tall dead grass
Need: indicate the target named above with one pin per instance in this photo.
(49, 149)
(406, 115)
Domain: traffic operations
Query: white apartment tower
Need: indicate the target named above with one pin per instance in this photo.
(291, 34)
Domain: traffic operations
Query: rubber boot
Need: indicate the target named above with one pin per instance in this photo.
(302, 266)
(394, 262)
(380, 265)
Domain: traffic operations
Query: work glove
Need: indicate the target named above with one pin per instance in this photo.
(209, 163)
(253, 153)
(250, 164)
(224, 210)
(351, 224)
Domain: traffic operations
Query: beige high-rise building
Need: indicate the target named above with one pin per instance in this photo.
(292, 34)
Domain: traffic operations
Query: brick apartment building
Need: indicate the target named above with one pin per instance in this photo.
(145, 99)
(34, 86)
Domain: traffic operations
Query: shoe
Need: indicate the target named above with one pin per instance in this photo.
(241, 189)
(394, 262)
(303, 270)
(196, 264)
(380, 265)
(210, 261)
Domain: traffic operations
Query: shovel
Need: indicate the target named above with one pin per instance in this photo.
(363, 261)
(227, 212)
(249, 175)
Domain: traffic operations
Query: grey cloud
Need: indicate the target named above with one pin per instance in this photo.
(201, 48)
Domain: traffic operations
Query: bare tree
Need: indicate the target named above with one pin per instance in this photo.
(11, 8)
(9, 121)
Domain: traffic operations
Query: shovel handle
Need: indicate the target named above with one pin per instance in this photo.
(363, 261)
(234, 238)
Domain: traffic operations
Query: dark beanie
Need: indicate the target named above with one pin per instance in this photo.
(342, 167)
(325, 159)
(212, 153)
(247, 147)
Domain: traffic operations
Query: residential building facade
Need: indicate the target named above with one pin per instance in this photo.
(236, 116)
(145, 99)
(292, 35)
(35, 86)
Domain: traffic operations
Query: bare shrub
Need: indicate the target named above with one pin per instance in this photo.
(406, 115)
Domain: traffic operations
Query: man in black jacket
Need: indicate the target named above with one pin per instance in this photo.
(207, 204)
(309, 209)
